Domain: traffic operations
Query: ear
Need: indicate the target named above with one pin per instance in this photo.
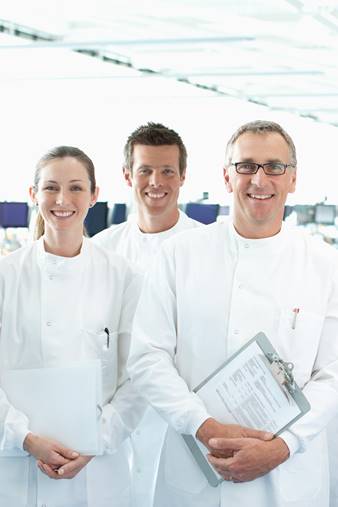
(182, 178)
(32, 195)
(293, 180)
(226, 174)
(94, 196)
(128, 176)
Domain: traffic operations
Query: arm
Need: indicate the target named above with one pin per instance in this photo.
(121, 416)
(152, 363)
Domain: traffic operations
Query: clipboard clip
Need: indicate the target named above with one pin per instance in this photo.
(282, 371)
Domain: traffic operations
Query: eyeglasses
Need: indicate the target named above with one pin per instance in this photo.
(270, 169)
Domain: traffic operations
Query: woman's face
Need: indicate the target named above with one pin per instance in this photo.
(63, 194)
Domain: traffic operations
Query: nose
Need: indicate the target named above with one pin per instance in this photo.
(155, 179)
(259, 179)
(60, 198)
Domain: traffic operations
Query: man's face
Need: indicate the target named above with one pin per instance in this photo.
(155, 178)
(259, 199)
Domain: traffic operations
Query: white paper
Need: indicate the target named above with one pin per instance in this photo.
(60, 403)
(245, 392)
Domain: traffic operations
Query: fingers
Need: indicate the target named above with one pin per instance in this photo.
(227, 444)
(67, 453)
(262, 435)
(48, 470)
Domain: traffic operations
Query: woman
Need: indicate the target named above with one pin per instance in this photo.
(64, 300)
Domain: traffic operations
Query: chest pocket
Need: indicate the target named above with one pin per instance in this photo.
(98, 345)
(298, 341)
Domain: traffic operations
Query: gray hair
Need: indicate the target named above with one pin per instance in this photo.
(260, 127)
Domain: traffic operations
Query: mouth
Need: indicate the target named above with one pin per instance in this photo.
(260, 197)
(62, 214)
(156, 195)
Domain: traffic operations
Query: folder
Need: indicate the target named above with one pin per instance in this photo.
(63, 403)
(254, 388)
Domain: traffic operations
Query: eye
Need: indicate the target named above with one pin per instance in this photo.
(168, 171)
(50, 188)
(76, 188)
(145, 171)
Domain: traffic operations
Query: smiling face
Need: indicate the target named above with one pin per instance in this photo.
(155, 179)
(259, 199)
(63, 195)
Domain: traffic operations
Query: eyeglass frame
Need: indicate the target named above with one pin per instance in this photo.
(258, 166)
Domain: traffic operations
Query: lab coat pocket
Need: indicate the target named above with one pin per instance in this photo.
(14, 481)
(103, 345)
(299, 333)
(181, 470)
(302, 476)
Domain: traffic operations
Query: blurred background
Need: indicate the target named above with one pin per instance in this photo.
(87, 73)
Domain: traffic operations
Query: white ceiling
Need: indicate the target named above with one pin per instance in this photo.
(278, 53)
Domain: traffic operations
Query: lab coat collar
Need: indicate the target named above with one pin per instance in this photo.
(272, 243)
(158, 235)
(51, 262)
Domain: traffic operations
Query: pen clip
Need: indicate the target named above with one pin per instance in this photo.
(106, 330)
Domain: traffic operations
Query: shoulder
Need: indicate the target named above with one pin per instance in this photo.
(196, 238)
(185, 222)
(14, 261)
(108, 261)
(111, 236)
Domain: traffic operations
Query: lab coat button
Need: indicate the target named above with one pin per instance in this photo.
(246, 245)
(236, 331)
(51, 277)
(48, 323)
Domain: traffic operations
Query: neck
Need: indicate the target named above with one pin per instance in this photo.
(157, 223)
(260, 231)
(63, 243)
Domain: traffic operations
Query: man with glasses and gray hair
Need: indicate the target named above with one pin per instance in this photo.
(209, 292)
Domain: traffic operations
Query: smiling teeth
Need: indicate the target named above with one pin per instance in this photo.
(155, 196)
(63, 213)
(260, 196)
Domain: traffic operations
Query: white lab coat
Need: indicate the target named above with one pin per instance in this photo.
(210, 291)
(53, 310)
(141, 248)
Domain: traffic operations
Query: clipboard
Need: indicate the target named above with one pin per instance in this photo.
(229, 386)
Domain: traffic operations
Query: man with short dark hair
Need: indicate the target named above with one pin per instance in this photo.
(154, 167)
(207, 295)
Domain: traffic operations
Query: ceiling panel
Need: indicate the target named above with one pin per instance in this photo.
(283, 54)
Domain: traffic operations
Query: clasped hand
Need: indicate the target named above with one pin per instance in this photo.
(241, 454)
(54, 459)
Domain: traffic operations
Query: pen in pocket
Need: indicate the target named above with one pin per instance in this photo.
(295, 312)
(106, 330)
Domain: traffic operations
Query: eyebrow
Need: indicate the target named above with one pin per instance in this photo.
(71, 181)
(145, 166)
(269, 161)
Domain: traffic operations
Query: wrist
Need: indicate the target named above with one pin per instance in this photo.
(29, 442)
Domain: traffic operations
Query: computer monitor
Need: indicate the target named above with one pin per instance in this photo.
(204, 213)
(96, 219)
(325, 214)
(13, 214)
(305, 214)
(118, 213)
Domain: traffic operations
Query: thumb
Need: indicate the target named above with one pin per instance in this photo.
(226, 444)
(262, 435)
(68, 453)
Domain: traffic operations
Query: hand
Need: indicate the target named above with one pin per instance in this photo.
(48, 451)
(213, 429)
(67, 471)
(252, 458)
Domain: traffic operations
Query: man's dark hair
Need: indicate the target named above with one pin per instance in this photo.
(154, 134)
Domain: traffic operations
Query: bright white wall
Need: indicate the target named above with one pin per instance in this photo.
(98, 114)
